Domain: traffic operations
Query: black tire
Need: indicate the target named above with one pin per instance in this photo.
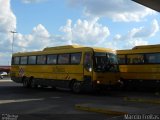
(43, 86)
(77, 87)
(54, 88)
(26, 83)
(33, 84)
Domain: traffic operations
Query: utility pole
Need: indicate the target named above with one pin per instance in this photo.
(13, 32)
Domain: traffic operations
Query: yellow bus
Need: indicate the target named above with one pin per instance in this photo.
(140, 66)
(76, 67)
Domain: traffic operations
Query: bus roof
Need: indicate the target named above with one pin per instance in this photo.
(62, 49)
(75, 46)
(146, 46)
(141, 49)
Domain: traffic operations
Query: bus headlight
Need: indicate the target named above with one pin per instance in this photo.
(98, 82)
(90, 69)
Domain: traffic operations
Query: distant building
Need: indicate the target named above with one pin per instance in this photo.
(5, 69)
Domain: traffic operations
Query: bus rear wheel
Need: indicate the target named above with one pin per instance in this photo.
(26, 83)
(33, 84)
(76, 87)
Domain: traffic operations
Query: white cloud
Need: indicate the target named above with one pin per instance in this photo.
(117, 10)
(32, 1)
(38, 39)
(154, 28)
(7, 23)
(40, 31)
(137, 36)
(85, 32)
(146, 32)
(7, 18)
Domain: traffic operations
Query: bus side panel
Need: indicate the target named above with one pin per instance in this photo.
(41, 71)
(140, 75)
(141, 72)
(66, 73)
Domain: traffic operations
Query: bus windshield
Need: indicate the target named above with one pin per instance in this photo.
(105, 62)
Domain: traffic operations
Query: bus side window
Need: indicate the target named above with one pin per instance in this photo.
(153, 58)
(88, 61)
(121, 59)
(52, 59)
(23, 60)
(41, 59)
(63, 58)
(75, 58)
(135, 59)
(32, 60)
(16, 60)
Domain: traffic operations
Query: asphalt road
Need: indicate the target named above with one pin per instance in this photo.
(47, 104)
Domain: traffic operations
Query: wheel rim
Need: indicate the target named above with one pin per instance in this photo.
(25, 83)
(33, 85)
(76, 87)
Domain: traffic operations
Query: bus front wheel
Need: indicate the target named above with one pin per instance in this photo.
(76, 87)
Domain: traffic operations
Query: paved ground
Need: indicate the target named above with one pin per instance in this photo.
(46, 104)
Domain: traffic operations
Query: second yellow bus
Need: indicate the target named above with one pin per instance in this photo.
(140, 66)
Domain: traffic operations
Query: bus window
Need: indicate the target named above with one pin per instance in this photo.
(105, 62)
(153, 58)
(63, 59)
(112, 58)
(23, 60)
(121, 59)
(100, 61)
(135, 59)
(41, 59)
(52, 59)
(112, 62)
(88, 61)
(16, 60)
(32, 60)
(75, 58)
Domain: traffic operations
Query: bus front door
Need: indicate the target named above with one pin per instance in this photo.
(88, 70)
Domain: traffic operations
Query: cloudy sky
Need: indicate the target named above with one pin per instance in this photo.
(117, 24)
